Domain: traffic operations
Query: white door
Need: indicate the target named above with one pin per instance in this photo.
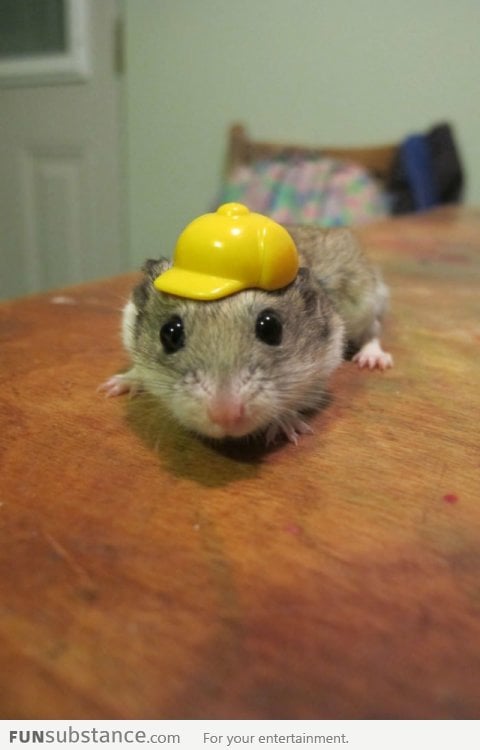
(61, 191)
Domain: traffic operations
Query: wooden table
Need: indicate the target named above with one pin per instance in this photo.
(144, 574)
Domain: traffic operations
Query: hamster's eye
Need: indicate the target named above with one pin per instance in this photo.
(268, 328)
(172, 335)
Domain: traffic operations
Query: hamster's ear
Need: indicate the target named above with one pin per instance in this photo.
(153, 268)
(317, 304)
(308, 288)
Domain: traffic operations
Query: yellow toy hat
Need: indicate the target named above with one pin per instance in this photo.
(225, 252)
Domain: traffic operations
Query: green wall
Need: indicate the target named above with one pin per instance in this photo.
(337, 72)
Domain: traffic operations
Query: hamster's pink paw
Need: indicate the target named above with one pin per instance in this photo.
(117, 385)
(371, 355)
(292, 428)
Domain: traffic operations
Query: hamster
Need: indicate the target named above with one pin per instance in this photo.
(256, 361)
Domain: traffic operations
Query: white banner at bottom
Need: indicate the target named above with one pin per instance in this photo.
(258, 734)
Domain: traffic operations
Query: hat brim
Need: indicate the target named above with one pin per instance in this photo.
(198, 286)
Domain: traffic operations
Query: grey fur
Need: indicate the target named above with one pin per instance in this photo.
(353, 284)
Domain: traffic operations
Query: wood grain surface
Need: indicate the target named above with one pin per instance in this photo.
(146, 574)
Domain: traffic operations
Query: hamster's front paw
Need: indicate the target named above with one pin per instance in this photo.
(371, 355)
(119, 384)
(292, 427)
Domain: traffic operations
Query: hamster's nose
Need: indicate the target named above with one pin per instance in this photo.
(226, 410)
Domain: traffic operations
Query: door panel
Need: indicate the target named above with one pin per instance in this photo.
(56, 209)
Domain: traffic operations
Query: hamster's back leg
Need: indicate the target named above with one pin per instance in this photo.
(372, 355)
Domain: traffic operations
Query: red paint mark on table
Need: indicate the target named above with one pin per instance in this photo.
(451, 498)
(292, 528)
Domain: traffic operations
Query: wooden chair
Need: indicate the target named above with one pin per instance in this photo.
(243, 151)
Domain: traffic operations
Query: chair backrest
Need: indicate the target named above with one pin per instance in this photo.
(242, 150)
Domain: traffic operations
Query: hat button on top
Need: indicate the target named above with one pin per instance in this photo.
(233, 210)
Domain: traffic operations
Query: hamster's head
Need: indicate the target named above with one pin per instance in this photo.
(236, 365)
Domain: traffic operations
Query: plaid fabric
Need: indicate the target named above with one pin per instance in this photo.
(323, 191)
